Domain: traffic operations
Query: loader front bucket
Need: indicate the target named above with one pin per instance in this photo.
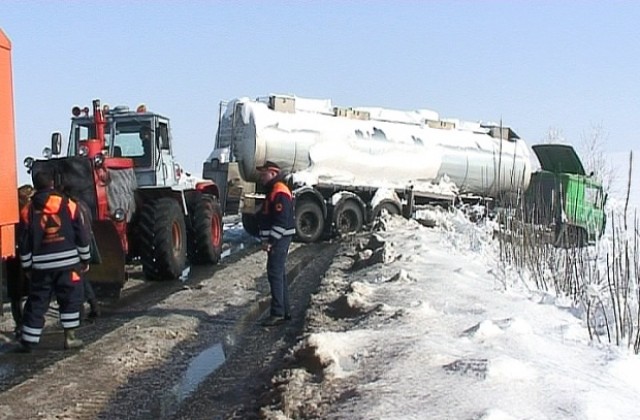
(108, 274)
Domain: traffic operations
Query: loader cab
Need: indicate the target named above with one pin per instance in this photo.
(143, 137)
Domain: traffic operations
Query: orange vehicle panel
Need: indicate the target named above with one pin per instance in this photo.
(8, 180)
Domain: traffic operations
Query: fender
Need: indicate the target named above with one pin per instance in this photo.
(208, 187)
(307, 191)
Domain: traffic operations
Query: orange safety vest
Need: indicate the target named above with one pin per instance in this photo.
(278, 188)
(51, 241)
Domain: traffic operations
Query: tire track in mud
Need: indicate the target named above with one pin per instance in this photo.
(140, 350)
(136, 298)
(237, 387)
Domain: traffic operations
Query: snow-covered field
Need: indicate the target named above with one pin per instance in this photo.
(433, 332)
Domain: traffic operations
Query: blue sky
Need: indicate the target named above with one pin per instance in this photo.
(568, 65)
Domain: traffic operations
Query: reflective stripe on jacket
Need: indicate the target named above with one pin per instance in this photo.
(276, 219)
(55, 235)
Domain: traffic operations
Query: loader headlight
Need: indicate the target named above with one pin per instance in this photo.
(47, 153)
(119, 215)
(83, 151)
(98, 160)
(28, 162)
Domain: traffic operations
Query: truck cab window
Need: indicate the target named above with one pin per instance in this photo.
(163, 136)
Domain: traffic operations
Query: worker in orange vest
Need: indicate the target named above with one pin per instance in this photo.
(54, 250)
(276, 231)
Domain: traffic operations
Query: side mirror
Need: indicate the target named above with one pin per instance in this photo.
(56, 143)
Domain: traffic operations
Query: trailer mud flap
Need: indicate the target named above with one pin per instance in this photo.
(109, 275)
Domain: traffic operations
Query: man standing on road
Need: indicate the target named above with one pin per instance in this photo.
(54, 249)
(276, 231)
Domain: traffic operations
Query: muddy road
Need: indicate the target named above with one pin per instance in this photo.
(191, 349)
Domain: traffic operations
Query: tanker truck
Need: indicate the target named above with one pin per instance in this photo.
(8, 181)
(347, 165)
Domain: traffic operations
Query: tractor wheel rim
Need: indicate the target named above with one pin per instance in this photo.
(215, 231)
(176, 239)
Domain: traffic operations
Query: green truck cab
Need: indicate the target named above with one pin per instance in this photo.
(564, 198)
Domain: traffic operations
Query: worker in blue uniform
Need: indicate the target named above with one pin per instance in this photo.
(54, 250)
(276, 232)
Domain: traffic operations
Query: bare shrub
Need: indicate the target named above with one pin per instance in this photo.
(594, 158)
(601, 280)
(554, 135)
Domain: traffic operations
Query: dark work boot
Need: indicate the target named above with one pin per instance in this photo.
(16, 313)
(70, 340)
(95, 309)
(272, 321)
(25, 347)
(17, 332)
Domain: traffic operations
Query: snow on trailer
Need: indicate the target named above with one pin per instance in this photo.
(355, 152)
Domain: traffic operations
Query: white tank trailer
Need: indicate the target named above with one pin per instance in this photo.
(348, 164)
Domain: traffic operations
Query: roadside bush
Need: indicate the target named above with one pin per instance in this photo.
(602, 281)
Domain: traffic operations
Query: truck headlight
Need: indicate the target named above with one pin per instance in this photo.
(28, 162)
(98, 160)
(119, 215)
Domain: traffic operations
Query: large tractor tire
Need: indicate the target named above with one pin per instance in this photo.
(205, 235)
(349, 217)
(163, 240)
(309, 221)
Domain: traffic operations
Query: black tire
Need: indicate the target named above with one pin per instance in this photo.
(250, 224)
(348, 217)
(205, 235)
(390, 206)
(309, 221)
(163, 240)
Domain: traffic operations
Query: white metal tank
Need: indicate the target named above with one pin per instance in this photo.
(373, 147)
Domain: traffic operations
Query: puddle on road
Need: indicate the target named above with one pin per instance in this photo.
(203, 365)
(227, 252)
(200, 367)
(166, 404)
